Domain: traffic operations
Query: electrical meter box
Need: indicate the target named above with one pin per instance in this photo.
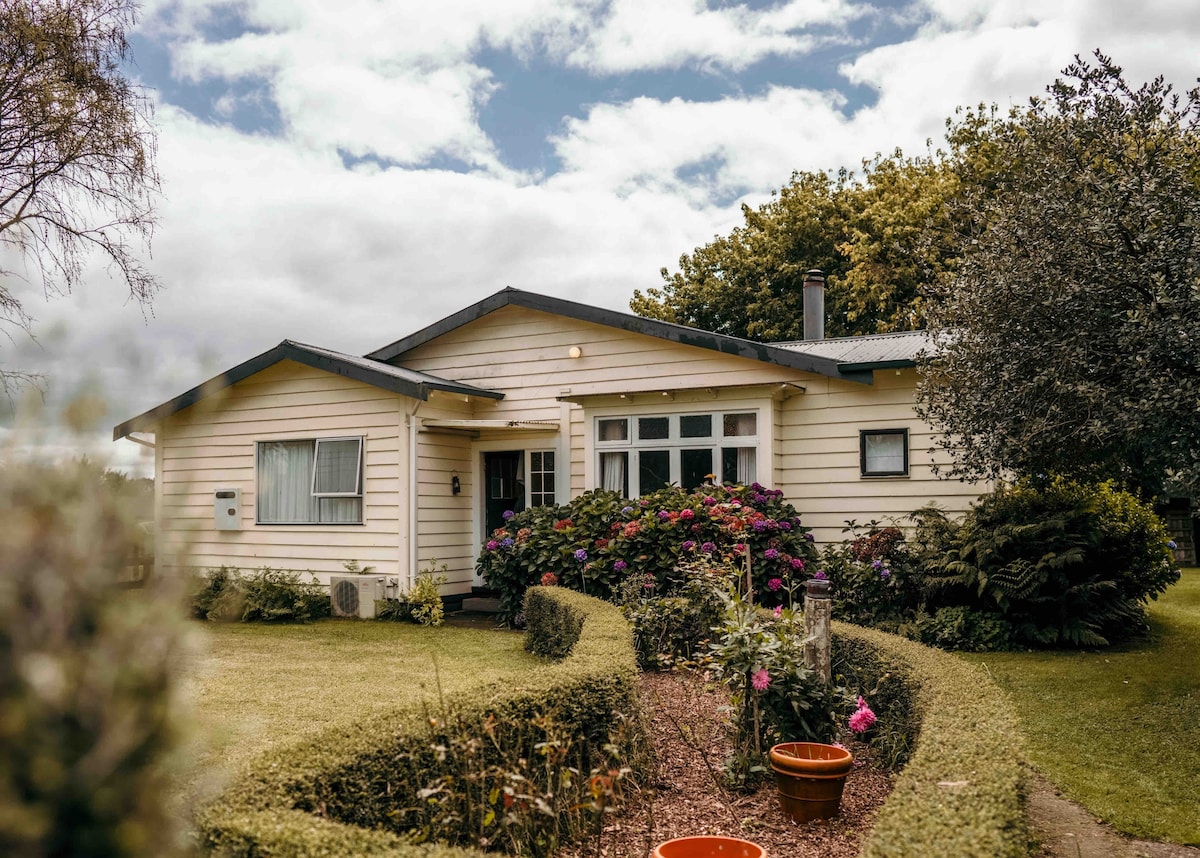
(227, 509)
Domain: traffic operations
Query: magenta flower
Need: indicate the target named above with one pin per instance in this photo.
(687, 514)
(863, 718)
(775, 584)
(709, 501)
(761, 679)
(492, 545)
(771, 554)
(820, 576)
(797, 564)
(778, 611)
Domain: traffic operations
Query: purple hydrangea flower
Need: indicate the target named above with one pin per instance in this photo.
(771, 554)
(759, 525)
(663, 515)
(506, 542)
(580, 555)
(885, 574)
(809, 537)
(775, 584)
(820, 576)
(507, 514)
(877, 564)
(620, 566)
(625, 510)
(785, 525)
(708, 548)
(688, 545)
(1172, 545)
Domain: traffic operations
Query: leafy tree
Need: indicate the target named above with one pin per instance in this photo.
(77, 170)
(860, 231)
(1070, 332)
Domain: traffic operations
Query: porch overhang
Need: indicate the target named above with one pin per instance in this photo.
(491, 425)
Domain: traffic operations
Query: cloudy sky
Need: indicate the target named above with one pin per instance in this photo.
(343, 173)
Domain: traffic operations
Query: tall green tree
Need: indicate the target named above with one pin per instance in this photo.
(859, 229)
(77, 148)
(1070, 331)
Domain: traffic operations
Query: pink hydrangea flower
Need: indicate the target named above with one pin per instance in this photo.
(778, 611)
(761, 679)
(775, 584)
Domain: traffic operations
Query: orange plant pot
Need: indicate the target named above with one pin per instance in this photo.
(810, 778)
(709, 847)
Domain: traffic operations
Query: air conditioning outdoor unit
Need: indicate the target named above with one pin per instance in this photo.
(355, 595)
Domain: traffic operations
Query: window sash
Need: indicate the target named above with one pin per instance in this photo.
(883, 452)
(286, 472)
(337, 467)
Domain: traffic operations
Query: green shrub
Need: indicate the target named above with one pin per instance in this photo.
(264, 596)
(425, 597)
(961, 628)
(394, 610)
(524, 769)
(1062, 562)
(90, 675)
(598, 540)
(674, 628)
(552, 626)
(874, 579)
(961, 793)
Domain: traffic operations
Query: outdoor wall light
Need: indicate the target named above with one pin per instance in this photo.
(575, 352)
(455, 485)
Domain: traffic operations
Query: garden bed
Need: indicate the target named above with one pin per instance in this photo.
(683, 795)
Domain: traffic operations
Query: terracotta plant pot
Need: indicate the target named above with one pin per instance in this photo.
(709, 847)
(810, 778)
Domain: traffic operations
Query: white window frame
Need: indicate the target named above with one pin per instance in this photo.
(675, 443)
(317, 442)
(362, 513)
(553, 472)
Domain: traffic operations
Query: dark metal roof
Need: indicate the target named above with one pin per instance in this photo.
(876, 351)
(767, 353)
(376, 373)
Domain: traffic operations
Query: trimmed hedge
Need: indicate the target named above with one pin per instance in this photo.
(962, 792)
(358, 789)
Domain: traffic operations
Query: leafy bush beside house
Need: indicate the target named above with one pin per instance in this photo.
(598, 540)
(1043, 563)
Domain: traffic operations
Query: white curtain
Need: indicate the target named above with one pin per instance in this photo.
(612, 471)
(285, 482)
(747, 465)
(341, 510)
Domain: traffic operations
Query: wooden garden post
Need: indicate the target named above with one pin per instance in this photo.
(817, 610)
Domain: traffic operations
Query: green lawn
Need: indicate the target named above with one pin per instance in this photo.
(1119, 730)
(258, 685)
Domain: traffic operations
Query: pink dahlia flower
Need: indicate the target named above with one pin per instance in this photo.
(761, 679)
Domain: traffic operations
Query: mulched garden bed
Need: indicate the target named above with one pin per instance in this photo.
(684, 797)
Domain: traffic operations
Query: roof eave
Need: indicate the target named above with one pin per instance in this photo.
(868, 366)
(681, 334)
(288, 350)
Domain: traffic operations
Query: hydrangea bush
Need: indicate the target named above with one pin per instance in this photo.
(598, 540)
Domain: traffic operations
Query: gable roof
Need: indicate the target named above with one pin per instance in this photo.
(765, 352)
(417, 385)
(874, 351)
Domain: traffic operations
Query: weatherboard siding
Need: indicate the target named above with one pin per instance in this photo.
(211, 446)
(444, 519)
(819, 468)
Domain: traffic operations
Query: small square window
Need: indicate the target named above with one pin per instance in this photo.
(740, 425)
(614, 430)
(883, 452)
(695, 426)
(654, 428)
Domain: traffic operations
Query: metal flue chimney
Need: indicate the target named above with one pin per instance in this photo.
(814, 304)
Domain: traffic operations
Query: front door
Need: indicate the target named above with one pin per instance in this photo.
(503, 485)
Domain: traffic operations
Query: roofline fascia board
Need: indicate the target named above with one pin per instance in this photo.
(288, 350)
(867, 366)
(681, 334)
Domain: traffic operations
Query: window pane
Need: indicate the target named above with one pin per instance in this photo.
(547, 461)
(695, 467)
(883, 453)
(653, 428)
(740, 425)
(285, 482)
(336, 471)
(654, 470)
(541, 478)
(614, 476)
(695, 426)
(739, 465)
(340, 510)
(614, 430)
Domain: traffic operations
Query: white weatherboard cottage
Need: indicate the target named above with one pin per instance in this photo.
(303, 458)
